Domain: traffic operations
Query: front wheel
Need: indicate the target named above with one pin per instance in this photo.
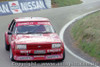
(62, 58)
(6, 46)
(11, 55)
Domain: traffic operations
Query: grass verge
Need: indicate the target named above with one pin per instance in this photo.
(4, 0)
(86, 33)
(61, 3)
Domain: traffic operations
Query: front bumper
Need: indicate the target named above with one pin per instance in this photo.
(28, 55)
(39, 57)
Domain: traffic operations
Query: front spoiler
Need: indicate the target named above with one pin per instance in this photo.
(39, 57)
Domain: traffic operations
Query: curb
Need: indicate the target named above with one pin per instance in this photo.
(66, 26)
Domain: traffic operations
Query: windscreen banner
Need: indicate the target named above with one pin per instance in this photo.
(21, 6)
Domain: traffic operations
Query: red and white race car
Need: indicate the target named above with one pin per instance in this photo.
(33, 38)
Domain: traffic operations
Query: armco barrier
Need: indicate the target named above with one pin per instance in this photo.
(21, 6)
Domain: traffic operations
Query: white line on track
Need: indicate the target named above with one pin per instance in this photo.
(61, 34)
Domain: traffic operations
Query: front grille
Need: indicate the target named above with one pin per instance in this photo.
(38, 46)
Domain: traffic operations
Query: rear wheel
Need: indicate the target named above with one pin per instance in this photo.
(6, 46)
(11, 55)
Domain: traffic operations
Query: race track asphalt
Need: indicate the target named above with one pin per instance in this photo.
(59, 17)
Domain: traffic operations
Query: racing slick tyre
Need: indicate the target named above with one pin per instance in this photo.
(6, 46)
(11, 55)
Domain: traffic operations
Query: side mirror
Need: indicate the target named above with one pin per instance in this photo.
(8, 25)
(9, 33)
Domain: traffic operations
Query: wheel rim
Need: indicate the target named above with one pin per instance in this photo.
(10, 53)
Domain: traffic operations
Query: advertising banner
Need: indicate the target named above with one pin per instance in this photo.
(21, 6)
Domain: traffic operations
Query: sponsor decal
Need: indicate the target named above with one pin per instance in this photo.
(21, 6)
(14, 7)
(53, 56)
(39, 52)
(54, 50)
(32, 5)
(25, 58)
(4, 8)
(25, 51)
(32, 23)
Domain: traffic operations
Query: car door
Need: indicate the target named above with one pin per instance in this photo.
(10, 30)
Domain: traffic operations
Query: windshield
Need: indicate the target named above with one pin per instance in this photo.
(34, 29)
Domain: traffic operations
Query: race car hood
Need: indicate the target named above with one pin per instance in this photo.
(37, 38)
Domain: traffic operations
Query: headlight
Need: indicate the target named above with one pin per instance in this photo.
(56, 45)
(20, 46)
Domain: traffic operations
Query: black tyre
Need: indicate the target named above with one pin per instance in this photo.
(6, 46)
(62, 58)
(11, 55)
